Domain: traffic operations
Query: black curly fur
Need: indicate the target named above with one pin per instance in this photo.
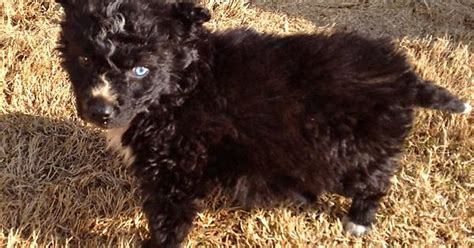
(268, 117)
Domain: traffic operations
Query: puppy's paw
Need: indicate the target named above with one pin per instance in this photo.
(353, 228)
(147, 243)
(467, 108)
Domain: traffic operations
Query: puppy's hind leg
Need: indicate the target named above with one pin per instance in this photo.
(367, 190)
(361, 215)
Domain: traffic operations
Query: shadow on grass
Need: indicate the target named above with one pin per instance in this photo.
(58, 182)
(412, 19)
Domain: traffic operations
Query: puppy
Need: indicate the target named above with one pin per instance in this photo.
(268, 117)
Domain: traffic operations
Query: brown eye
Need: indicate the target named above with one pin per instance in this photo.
(84, 61)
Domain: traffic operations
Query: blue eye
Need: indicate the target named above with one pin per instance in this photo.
(140, 71)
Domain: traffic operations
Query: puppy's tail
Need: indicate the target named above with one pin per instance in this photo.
(429, 95)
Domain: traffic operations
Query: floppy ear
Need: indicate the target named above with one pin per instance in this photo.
(189, 13)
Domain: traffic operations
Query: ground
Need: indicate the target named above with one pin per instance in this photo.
(60, 187)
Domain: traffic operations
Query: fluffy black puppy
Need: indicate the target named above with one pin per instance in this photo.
(265, 116)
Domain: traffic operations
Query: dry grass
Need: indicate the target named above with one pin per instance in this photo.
(59, 187)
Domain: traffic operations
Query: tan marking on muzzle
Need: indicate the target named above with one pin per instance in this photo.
(104, 90)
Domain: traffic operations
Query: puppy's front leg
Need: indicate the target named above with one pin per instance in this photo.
(171, 183)
(168, 221)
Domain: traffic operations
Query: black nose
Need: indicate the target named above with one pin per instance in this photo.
(100, 110)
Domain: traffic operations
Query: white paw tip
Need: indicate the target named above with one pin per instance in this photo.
(353, 228)
(467, 108)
